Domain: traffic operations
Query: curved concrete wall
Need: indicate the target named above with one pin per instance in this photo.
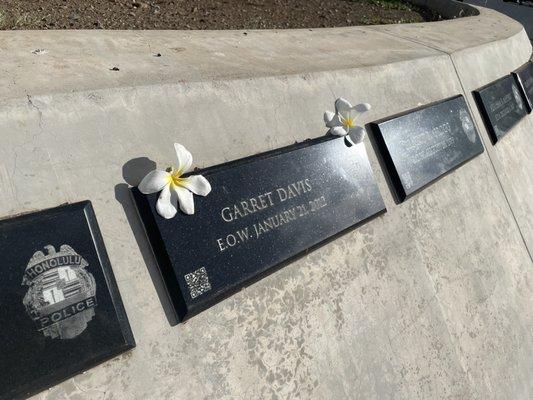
(433, 300)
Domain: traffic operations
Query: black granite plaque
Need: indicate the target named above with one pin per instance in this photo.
(263, 211)
(501, 106)
(524, 77)
(419, 146)
(60, 309)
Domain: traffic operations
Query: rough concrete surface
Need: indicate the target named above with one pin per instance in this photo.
(433, 300)
(521, 13)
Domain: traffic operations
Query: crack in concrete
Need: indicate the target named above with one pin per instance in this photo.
(33, 105)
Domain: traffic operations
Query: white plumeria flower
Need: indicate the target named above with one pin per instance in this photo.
(175, 188)
(342, 121)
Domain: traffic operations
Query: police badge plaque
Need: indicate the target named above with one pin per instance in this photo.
(60, 309)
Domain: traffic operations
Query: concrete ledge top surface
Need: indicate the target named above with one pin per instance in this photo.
(72, 61)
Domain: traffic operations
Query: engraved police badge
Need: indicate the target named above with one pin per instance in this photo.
(62, 295)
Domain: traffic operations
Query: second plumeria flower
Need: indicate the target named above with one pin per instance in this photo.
(343, 121)
(175, 189)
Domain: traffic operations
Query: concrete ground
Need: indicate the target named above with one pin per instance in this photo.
(521, 13)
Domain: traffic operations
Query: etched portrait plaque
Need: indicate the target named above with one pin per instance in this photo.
(419, 146)
(60, 310)
(524, 78)
(263, 211)
(501, 105)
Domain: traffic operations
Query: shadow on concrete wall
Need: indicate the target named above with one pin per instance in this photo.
(133, 171)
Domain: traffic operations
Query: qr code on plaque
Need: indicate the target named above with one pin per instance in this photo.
(198, 282)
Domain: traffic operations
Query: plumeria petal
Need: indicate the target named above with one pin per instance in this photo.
(197, 184)
(359, 109)
(363, 107)
(185, 199)
(357, 134)
(338, 131)
(331, 119)
(184, 158)
(343, 107)
(154, 182)
(328, 117)
(167, 203)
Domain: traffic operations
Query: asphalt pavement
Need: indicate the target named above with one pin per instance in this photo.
(522, 13)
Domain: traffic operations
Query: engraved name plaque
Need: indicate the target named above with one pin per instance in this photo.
(501, 105)
(524, 77)
(263, 211)
(419, 146)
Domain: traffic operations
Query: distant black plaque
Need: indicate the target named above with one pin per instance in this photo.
(524, 77)
(419, 146)
(501, 106)
(60, 309)
(263, 211)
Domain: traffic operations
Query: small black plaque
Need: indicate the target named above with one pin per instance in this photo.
(524, 77)
(419, 146)
(501, 106)
(60, 309)
(263, 211)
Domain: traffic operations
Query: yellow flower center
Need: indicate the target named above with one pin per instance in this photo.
(349, 122)
(175, 178)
